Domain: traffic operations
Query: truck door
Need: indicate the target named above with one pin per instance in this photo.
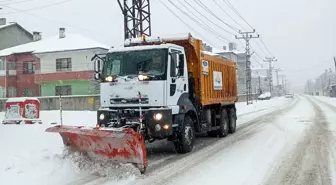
(176, 77)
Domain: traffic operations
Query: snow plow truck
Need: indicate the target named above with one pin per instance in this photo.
(154, 89)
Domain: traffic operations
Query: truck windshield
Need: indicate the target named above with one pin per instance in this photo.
(132, 63)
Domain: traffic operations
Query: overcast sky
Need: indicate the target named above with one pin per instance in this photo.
(301, 34)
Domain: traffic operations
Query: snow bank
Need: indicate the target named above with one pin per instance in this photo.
(329, 100)
(31, 156)
(259, 105)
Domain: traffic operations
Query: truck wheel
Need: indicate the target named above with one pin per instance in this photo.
(233, 121)
(186, 137)
(224, 124)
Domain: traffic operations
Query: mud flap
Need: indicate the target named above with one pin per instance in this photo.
(118, 145)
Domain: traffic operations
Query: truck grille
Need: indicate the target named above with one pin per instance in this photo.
(128, 101)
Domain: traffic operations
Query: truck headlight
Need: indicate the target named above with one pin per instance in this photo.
(109, 79)
(158, 116)
(142, 77)
(102, 117)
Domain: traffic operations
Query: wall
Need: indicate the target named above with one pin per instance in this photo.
(13, 36)
(20, 80)
(75, 102)
(80, 60)
(79, 87)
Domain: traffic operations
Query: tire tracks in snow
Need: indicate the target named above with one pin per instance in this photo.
(182, 163)
(308, 163)
(206, 145)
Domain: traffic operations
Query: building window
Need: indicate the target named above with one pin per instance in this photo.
(28, 67)
(63, 90)
(63, 64)
(11, 92)
(29, 92)
(11, 65)
(2, 65)
(2, 92)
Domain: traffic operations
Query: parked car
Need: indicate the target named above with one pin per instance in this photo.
(289, 95)
(265, 96)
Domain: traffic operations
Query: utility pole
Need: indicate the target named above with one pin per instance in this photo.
(335, 62)
(137, 18)
(277, 75)
(283, 82)
(247, 36)
(270, 71)
(259, 85)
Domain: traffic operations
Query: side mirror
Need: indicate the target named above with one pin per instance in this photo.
(97, 76)
(97, 65)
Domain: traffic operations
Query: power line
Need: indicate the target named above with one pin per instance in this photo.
(227, 14)
(5, 0)
(210, 12)
(235, 10)
(36, 8)
(184, 22)
(258, 45)
(237, 13)
(263, 43)
(200, 24)
(203, 16)
(18, 2)
(70, 25)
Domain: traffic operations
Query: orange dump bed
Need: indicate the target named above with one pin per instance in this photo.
(215, 78)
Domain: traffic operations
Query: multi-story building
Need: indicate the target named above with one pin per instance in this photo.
(260, 79)
(13, 34)
(47, 67)
(232, 53)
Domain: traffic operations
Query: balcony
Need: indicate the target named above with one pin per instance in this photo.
(51, 77)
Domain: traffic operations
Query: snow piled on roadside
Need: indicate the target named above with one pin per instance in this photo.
(325, 99)
(243, 108)
(30, 156)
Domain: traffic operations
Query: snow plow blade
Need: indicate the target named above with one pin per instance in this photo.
(118, 145)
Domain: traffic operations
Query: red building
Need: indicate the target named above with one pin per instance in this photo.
(18, 75)
(59, 64)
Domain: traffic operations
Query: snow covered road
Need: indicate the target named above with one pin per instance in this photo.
(281, 141)
(293, 145)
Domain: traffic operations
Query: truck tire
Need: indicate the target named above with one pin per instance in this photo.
(186, 136)
(224, 124)
(232, 121)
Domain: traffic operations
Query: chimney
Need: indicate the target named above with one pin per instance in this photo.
(62, 33)
(232, 46)
(37, 36)
(2, 21)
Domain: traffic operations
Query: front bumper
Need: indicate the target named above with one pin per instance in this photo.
(156, 128)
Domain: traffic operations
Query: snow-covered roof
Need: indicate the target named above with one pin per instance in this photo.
(259, 68)
(180, 36)
(6, 25)
(210, 53)
(216, 50)
(145, 47)
(20, 99)
(257, 76)
(55, 44)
